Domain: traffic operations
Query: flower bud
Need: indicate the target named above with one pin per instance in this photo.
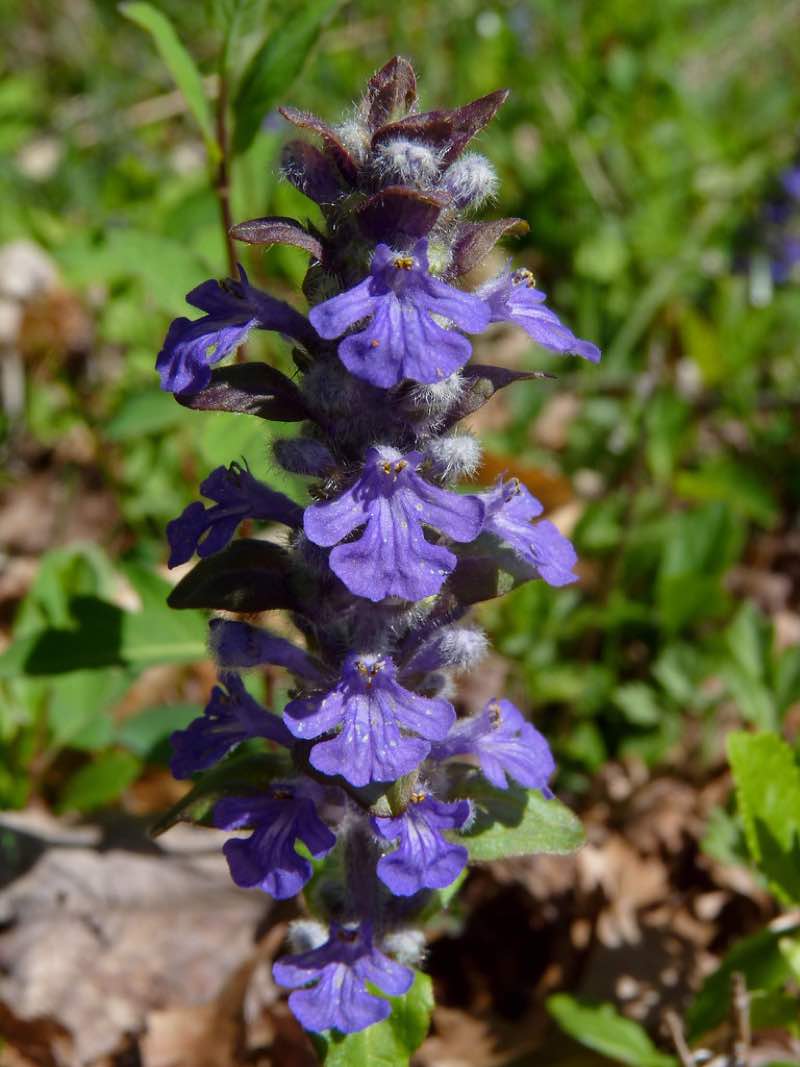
(453, 457)
(303, 455)
(471, 181)
(460, 647)
(402, 160)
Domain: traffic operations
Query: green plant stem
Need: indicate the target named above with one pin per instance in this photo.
(222, 187)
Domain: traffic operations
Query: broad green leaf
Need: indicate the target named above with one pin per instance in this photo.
(148, 411)
(165, 268)
(274, 67)
(387, 1044)
(79, 705)
(767, 780)
(99, 782)
(602, 1028)
(748, 638)
(63, 573)
(722, 479)
(759, 959)
(775, 1010)
(243, 772)
(146, 733)
(100, 634)
(790, 949)
(751, 695)
(639, 703)
(516, 822)
(179, 63)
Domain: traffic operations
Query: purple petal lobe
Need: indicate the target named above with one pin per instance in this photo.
(393, 502)
(285, 813)
(232, 310)
(237, 496)
(424, 858)
(339, 971)
(374, 716)
(402, 339)
(510, 511)
(513, 298)
(229, 718)
(505, 744)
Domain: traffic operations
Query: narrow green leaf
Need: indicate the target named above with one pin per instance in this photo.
(768, 793)
(179, 63)
(602, 1028)
(274, 67)
(387, 1044)
(517, 822)
(243, 773)
(759, 959)
(99, 782)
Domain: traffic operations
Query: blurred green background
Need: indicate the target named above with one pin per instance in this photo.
(643, 143)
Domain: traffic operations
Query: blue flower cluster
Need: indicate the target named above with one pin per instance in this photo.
(380, 570)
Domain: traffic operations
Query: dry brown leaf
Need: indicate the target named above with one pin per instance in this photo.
(97, 942)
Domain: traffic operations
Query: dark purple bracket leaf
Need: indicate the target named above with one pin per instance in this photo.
(304, 120)
(277, 230)
(311, 172)
(249, 389)
(475, 240)
(482, 382)
(391, 93)
(485, 576)
(398, 212)
(448, 130)
(247, 576)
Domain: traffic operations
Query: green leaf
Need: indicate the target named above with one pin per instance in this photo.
(146, 734)
(516, 822)
(243, 772)
(99, 634)
(602, 1028)
(638, 703)
(147, 411)
(179, 63)
(759, 959)
(748, 638)
(247, 576)
(99, 782)
(79, 705)
(387, 1044)
(767, 782)
(274, 67)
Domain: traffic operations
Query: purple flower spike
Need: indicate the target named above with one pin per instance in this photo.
(510, 510)
(372, 709)
(232, 310)
(238, 644)
(424, 859)
(340, 970)
(237, 495)
(402, 340)
(511, 297)
(229, 718)
(505, 744)
(392, 556)
(267, 859)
